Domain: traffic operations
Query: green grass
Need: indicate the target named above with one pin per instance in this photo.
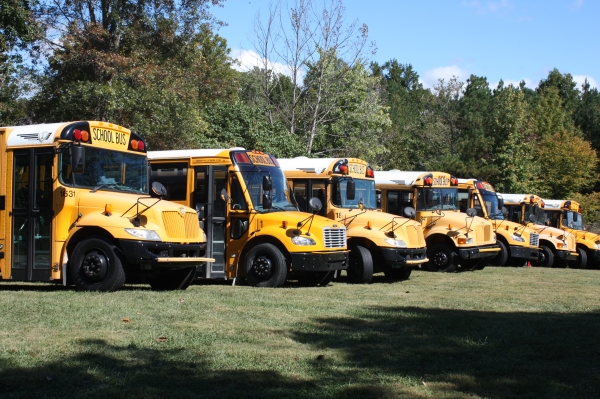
(496, 333)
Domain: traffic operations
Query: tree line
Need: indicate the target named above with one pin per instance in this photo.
(161, 69)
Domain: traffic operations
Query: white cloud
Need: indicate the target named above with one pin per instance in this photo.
(248, 59)
(580, 79)
(430, 78)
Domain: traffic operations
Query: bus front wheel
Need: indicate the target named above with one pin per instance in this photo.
(95, 265)
(442, 258)
(265, 266)
(360, 268)
(545, 257)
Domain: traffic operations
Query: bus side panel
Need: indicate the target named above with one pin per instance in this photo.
(4, 253)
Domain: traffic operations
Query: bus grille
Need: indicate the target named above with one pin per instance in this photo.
(334, 238)
(571, 243)
(483, 233)
(178, 227)
(534, 239)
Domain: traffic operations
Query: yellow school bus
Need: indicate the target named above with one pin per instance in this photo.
(75, 208)
(518, 244)
(378, 241)
(453, 238)
(557, 247)
(254, 229)
(567, 215)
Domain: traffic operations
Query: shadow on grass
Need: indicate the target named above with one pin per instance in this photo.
(380, 352)
(455, 353)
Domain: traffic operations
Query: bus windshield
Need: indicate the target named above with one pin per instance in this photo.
(568, 220)
(491, 206)
(280, 195)
(364, 192)
(432, 199)
(538, 212)
(107, 170)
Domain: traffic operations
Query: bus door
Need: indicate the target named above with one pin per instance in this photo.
(32, 215)
(209, 181)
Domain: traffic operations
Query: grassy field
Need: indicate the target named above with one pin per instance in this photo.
(496, 333)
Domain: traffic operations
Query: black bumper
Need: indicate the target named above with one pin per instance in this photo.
(398, 257)
(595, 254)
(524, 252)
(319, 261)
(565, 255)
(147, 254)
(476, 252)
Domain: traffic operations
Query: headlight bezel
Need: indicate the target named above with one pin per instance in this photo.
(396, 243)
(303, 241)
(517, 238)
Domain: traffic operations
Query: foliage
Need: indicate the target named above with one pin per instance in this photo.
(567, 165)
(239, 125)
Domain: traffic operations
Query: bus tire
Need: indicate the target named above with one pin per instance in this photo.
(502, 257)
(581, 262)
(95, 265)
(545, 258)
(172, 280)
(360, 267)
(398, 274)
(442, 258)
(265, 266)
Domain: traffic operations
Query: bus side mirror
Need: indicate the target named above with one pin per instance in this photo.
(267, 183)
(77, 159)
(504, 211)
(471, 212)
(410, 212)
(267, 203)
(532, 218)
(500, 203)
(315, 204)
(224, 195)
(159, 189)
(350, 190)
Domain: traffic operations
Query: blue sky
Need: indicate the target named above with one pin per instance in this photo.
(502, 39)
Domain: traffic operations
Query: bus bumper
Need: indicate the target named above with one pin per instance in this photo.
(153, 255)
(595, 254)
(399, 257)
(524, 252)
(478, 252)
(319, 261)
(566, 255)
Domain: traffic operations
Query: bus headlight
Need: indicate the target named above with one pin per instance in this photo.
(517, 238)
(395, 243)
(464, 240)
(149, 235)
(299, 240)
(597, 246)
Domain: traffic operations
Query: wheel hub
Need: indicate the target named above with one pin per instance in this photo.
(95, 266)
(262, 267)
(440, 259)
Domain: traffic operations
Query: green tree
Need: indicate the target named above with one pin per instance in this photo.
(588, 114)
(566, 86)
(567, 165)
(550, 114)
(239, 125)
(149, 66)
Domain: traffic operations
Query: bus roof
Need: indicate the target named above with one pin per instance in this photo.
(312, 165)
(192, 153)
(399, 177)
(33, 134)
(555, 204)
(519, 198)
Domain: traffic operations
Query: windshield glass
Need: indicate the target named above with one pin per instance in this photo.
(431, 199)
(538, 212)
(365, 191)
(280, 195)
(107, 170)
(491, 206)
(569, 220)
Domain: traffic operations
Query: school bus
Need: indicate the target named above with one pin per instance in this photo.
(453, 238)
(75, 208)
(567, 215)
(518, 244)
(378, 241)
(557, 247)
(253, 227)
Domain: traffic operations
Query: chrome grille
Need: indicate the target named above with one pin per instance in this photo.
(334, 238)
(534, 239)
(177, 227)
